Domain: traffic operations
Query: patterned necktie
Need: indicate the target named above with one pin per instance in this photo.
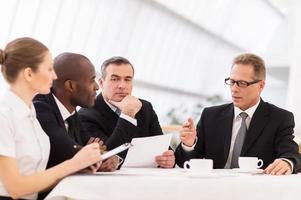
(71, 126)
(239, 140)
(118, 111)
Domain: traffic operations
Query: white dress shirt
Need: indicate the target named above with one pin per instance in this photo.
(236, 125)
(22, 137)
(63, 110)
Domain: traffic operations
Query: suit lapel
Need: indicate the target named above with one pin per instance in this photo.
(106, 113)
(77, 131)
(258, 122)
(52, 102)
(224, 126)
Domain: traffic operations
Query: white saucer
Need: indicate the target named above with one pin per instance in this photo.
(252, 171)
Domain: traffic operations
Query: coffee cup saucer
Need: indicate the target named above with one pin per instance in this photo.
(250, 171)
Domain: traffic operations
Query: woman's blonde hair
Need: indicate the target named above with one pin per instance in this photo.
(19, 54)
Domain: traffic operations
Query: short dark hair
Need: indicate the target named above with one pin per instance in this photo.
(19, 54)
(117, 60)
(254, 60)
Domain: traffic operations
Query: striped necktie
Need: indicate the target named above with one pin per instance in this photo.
(118, 111)
(239, 140)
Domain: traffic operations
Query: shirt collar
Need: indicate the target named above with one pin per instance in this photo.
(110, 105)
(250, 111)
(63, 110)
(14, 102)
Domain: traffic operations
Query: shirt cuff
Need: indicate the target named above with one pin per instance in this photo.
(187, 148)
(129, 119)
(289, 162)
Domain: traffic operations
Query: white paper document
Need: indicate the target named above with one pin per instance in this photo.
(145, 149)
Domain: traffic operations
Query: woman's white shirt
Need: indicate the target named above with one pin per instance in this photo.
(21, 137)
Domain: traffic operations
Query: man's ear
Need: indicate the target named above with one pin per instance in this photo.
(100, 81)
(69, 85)
(261, 85)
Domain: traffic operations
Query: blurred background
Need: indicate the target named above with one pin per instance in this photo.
(181, 49)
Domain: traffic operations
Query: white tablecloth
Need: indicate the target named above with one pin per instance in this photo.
(176, 184)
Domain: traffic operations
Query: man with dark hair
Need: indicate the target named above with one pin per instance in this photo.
(75, 86)
(247, 127)
(117, 116)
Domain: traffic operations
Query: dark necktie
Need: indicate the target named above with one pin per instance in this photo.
(239, 141)
(71, 126)
(118, 111)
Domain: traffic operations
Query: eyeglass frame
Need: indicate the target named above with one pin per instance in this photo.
(239, 82)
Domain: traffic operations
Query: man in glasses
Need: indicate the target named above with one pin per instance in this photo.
(247, 127)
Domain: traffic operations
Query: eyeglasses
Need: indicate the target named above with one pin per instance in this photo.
(242, 84)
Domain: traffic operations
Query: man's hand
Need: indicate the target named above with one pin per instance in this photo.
(129, 105)
(95, 167)
(279, 167)
(109, 165)
(166, 160)
(188, 133)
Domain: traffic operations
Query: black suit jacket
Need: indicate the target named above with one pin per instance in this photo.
(100, 121)
(50, 118)
(269, 136)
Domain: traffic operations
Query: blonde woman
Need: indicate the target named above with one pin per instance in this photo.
(26, 65)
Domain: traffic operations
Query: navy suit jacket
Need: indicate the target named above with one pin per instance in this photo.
(101, 121)
(269, 136)
(50, 118)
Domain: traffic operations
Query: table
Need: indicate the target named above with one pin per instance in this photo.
(177, 184)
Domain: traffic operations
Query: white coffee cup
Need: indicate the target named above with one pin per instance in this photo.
(249, 163)
(199, 165)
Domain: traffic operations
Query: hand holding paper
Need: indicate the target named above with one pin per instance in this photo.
(145, 149)
(166, 160)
